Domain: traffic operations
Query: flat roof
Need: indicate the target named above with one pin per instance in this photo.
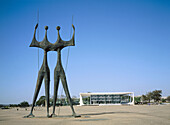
(108, 93)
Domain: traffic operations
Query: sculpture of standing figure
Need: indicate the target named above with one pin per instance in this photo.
(44, 72)
(59, 71)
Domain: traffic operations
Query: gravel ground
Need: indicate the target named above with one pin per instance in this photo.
(90, 115)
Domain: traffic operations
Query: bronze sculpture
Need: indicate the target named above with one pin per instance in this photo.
(59, 71)
(44, 72)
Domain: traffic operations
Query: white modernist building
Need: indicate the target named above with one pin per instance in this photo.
(112, 98)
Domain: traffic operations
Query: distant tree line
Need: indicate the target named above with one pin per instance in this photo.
(61, 101)
(22, 104)
(152, 97)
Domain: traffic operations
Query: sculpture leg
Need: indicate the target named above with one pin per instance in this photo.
(47, 84)
(64, 82)
(37, 89)
(56, 84)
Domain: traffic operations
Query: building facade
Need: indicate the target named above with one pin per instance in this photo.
(116, 98)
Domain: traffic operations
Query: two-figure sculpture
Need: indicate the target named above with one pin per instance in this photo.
(44, 72)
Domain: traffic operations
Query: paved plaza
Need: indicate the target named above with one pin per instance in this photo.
(91, 115)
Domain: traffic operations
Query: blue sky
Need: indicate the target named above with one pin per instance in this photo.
(121, 45)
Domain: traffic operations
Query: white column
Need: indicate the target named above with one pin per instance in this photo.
(90, 99)
(133, 102)
(81, 100)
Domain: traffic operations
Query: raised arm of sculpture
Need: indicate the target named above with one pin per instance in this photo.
(34, 42)
(72, 41)
(44, 44)
(61, 43)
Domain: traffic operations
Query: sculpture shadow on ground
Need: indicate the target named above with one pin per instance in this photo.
(103, 113)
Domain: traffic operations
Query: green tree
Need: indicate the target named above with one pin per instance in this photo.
(24, 104)
(156, 95)
(149, 96)
(137, 100)
(13, 105)
(144, 98)
(163, 100)
(168, 99)
(41, 101)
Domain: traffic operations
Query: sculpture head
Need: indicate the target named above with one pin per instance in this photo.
(46, 27)
(58, 28)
